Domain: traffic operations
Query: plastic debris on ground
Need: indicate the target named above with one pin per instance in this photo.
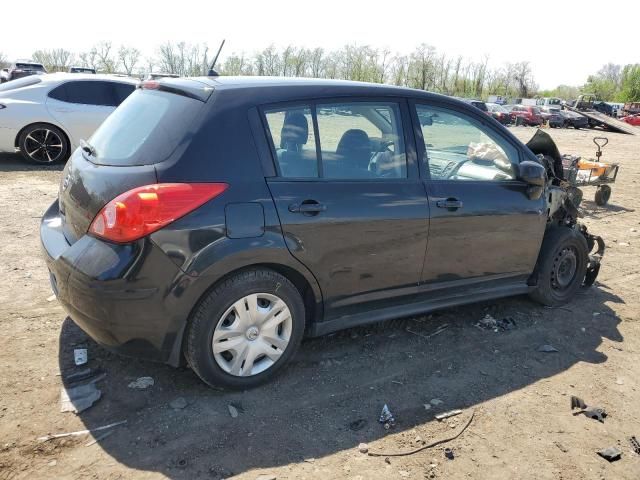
(448, 452)
(233, 411)
(610, 454)
(435, 402)
(490, 323)
(451, 413)
(597, 413)
(547, 349)
(635, 444)
(142, 382)
(363, 448)
(386, 417)
(78, 399)
(80, 356)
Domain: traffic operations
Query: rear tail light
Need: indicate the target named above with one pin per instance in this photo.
(143, 210)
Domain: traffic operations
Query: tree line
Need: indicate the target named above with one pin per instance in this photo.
(424, 68)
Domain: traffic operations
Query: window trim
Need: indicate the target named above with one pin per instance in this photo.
(479, 117)
(312, 103)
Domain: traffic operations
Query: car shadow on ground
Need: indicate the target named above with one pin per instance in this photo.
(13, 162)
(330, 398)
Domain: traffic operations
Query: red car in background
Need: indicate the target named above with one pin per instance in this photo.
(527, 115)
(632, 119)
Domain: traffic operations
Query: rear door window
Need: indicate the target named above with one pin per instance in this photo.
(294, 142)
(145, 129)
(122, 91)
(361, 140)
(356, 140)
(87, 92)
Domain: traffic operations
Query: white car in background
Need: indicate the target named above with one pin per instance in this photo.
(45, 116)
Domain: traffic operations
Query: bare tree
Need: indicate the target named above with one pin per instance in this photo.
(106, 62)
(89, 59)
(54, 60)
(129, 57)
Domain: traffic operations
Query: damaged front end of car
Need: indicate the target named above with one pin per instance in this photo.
(563, 200)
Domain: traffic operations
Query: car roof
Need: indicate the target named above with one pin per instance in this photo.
(278, 89)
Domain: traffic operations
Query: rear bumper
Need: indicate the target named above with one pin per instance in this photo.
(118, 294)
(8, 139)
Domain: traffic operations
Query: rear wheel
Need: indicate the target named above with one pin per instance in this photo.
(43, 144)
(245, 330)
(562, 265)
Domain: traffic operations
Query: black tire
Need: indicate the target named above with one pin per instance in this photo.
(209, 313)
(603, 194)
(561, 267)
(44, 144)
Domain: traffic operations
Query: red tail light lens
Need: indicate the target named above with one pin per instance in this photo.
(143, 210)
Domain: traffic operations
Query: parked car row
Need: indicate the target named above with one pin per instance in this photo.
(25, 68)
(548, 113)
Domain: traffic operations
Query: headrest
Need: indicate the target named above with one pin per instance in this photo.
(353, 140)
(295, 130)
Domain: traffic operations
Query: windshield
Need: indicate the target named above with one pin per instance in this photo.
(145, 129)
(19, 83)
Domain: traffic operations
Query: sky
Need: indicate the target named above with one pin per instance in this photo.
(539, 31)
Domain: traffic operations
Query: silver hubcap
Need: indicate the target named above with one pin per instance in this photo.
(252, 334)
(43, 145)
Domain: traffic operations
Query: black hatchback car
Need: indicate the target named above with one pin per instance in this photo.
(219, 220)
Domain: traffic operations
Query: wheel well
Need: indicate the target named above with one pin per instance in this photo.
(295, 277)
(16, 142)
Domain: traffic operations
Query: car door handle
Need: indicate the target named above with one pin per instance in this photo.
(308, 206)
(449, 204)
(61, 110)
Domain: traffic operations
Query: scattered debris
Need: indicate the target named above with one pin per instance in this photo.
(424, 447)
(78, 399)
(562, 448)
(80, 356)
(363, 448)
(596, 413)
(266, 476)
(547, 349)
(52, 463)
(438, 330)
(619, 381)
(142, 383)
(397, 382)
(448, 452)
(98, 438)
(635, 444)
(386, 418)
(451, 413)
(357, 424)
(51, 298)
(427, 406)
(178, 404)
(80, 432)
(435, 402)
(610, 454)
(490, 323)
(233, 411)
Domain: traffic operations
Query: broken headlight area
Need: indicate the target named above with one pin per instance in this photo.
(563, 200)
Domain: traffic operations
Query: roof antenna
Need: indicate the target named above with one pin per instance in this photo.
(212, 72)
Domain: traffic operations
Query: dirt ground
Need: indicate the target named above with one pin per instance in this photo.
(309, 423)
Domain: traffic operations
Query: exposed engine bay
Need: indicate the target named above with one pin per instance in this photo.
(564, 199)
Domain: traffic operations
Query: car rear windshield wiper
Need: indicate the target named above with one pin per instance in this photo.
(87, 147)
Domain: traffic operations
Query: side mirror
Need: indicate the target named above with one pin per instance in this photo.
(533, 173)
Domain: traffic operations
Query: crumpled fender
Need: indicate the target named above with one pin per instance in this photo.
(542, 144)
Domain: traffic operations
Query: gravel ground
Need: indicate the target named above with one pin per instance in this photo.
(309, 423)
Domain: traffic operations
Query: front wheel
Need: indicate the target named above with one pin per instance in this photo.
(245, 330)
(43, 144)
(561, 267)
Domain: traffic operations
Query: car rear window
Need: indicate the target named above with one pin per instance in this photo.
(145, 129)
(30, 66)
